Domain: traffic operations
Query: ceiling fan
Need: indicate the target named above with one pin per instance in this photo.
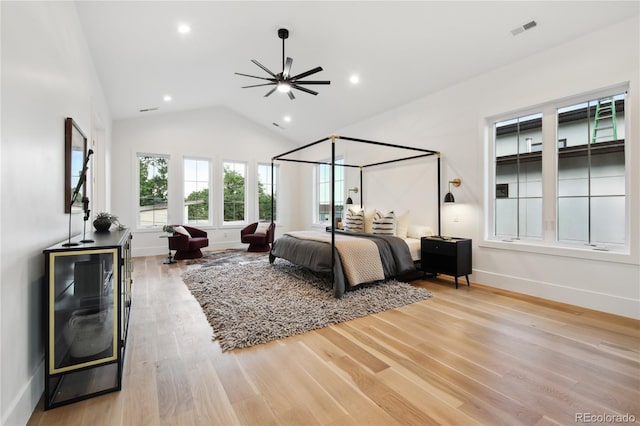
(284, 81)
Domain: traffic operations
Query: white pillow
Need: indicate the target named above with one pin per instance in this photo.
(419, 231)
(402, 224)
(384, 223)
(354, 220)
(368, 220)
(262, 228)
(181, 230)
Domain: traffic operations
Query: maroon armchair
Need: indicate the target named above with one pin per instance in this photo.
(258, 239)
(188, 246)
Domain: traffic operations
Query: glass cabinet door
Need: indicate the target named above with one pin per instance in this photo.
(83, 309)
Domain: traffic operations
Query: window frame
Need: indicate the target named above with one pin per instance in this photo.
(275, 183)
(520, 159)
(235, 223)
(136, 203)
(316, 189)
(185, 215)
(592, 194)
(549, 244)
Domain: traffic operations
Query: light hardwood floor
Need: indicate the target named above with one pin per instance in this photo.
(474, 355)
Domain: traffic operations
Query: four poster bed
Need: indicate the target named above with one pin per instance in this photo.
(353, 259)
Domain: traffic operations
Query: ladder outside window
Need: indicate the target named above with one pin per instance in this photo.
(605, 120)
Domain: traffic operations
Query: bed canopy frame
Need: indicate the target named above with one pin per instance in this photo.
(417, 153)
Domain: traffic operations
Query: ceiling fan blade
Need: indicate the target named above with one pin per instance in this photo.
(304, 89)
(314, 82)
(306, 73)
(255, 76)
(287, 68)
(263, 67)
(271, 91)
(257, 85)
(290, 93)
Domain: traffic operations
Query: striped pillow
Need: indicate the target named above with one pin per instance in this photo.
(354, 221)
(384, 224)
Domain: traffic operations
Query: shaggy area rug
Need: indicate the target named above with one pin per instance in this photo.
(249, 304)
(228, 256)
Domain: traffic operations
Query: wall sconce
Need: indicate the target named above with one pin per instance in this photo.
(449, 197)
(355, 190)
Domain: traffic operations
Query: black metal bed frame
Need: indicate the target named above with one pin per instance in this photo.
(333, 138)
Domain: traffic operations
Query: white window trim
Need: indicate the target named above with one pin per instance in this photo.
(235, 224)
(549, 244)
(136, 193)
(315, 199)
(210, 221)
(276, 182)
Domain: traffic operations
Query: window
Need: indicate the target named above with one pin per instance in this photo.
(518, 177)
(153, 183)
(323, 191)
(196, 191)
(583, 158)
(265, 186)
(234, 192)
(591, 172)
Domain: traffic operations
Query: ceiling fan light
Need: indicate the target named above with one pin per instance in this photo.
(283, 81)
(284, 87)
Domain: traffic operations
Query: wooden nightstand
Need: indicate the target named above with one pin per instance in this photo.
(449, 256)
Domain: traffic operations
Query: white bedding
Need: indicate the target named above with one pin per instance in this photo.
(414, 247)
(360, 256)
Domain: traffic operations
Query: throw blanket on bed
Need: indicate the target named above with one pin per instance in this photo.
(360, 257)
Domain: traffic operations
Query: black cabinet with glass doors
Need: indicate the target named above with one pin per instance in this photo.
(87, 303)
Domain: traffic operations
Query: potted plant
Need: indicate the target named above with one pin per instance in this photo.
(104, 220)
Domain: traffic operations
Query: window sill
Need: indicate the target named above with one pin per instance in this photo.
(234, 225)
(149, 229)
(158, 229)
(616, 255)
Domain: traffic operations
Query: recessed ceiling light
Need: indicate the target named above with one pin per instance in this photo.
(184, 29)
(354, 79)
(287, 118)
(167, 98)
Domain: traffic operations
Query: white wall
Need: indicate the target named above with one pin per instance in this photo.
(47, 75)
(453, 122)
(216, 133)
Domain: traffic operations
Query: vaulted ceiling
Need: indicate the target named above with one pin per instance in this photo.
(401, 51)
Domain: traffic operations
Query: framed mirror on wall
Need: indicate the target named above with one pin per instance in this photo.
(75, 151)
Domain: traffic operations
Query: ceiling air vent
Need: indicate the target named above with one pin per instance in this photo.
(149, 109)
(523, 28)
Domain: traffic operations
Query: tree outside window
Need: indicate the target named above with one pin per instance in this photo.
(153, 183)
(196, 191)
(265, 185)
(234, 192)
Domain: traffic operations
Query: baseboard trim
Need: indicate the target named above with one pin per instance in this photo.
(24, 403)
(598, 301)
